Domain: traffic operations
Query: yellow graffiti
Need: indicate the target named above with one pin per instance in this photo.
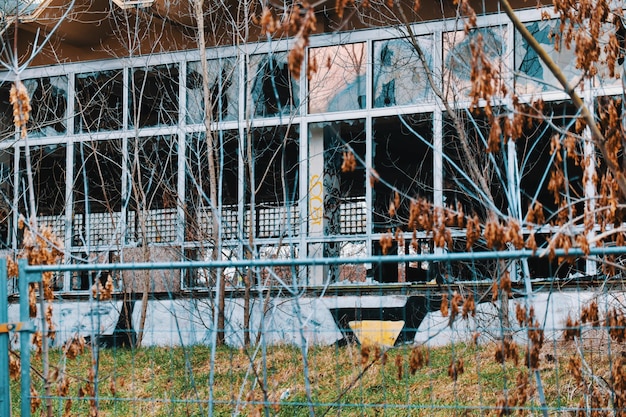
(316, 202)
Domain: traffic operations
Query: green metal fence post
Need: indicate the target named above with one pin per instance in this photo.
(5, 389)
(24, 279)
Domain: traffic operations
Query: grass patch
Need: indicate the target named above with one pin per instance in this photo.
(163, 381)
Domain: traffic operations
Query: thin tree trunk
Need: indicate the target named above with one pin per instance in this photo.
(212, 161)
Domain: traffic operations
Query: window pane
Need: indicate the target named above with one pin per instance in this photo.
(604, 78)
(399, 76)
(274, 90)
(535, 159)
(6, 196)
(7, 128)
(338, 82)
(458, 57)
(223, 89)
(199, 207)
(48, 165)
(403, 159)
(532, 75)
(153, 199)
(461, 181)
(275, 163)
(99, 101)
(336, 188)
(154, 96)
(99, 163)
(48, 99)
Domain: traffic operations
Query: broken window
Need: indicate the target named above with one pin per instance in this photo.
(472, 178)
(223, 79)
(336, 186)
(537, 164)
(49, 169)
(97, 192)
(537, 161)
(531, 73)
(275, 163)
(403, 160)
(48, 99)
(153, 193)
(274, 90)
(154, 96)
(199, 207)
(604, 77)
(7, 128)
(458, 56)
(400, 76)
(99, 101)
(337, 78)
(337, 177)
(281, 275)
(6, 196)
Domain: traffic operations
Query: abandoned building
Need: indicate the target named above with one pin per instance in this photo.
(119, 148)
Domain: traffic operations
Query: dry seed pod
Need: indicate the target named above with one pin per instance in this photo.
(399, 366)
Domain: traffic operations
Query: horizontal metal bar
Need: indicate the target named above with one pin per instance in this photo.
(254, 263)
(17, 327)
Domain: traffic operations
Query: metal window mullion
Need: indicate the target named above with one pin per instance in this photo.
(369, 158)
(69, 175)
(304, 174)
(513, 177)
(438, 158)
(69, 207)
(303, 193)
(181, 186)
(242, 59)
(369, 87)
(181, 154)
(125, 171)
(591, 266)
(438, 122)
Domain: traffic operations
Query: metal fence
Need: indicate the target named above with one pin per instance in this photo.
(445, 347)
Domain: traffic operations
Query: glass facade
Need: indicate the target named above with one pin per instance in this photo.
(121, 156)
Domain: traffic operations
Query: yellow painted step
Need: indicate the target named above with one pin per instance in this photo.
(377, 332)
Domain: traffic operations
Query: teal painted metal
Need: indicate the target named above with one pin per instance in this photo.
(443, 257)
(5, 389)
(25, 278)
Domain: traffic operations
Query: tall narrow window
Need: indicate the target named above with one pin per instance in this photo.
(97, 193)
(274, 161)
(403, 160)
(199, 207)
(337, 177)
(153, 199)
(537, 160)
(7, 128)
(473, 178)
(49, 169)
